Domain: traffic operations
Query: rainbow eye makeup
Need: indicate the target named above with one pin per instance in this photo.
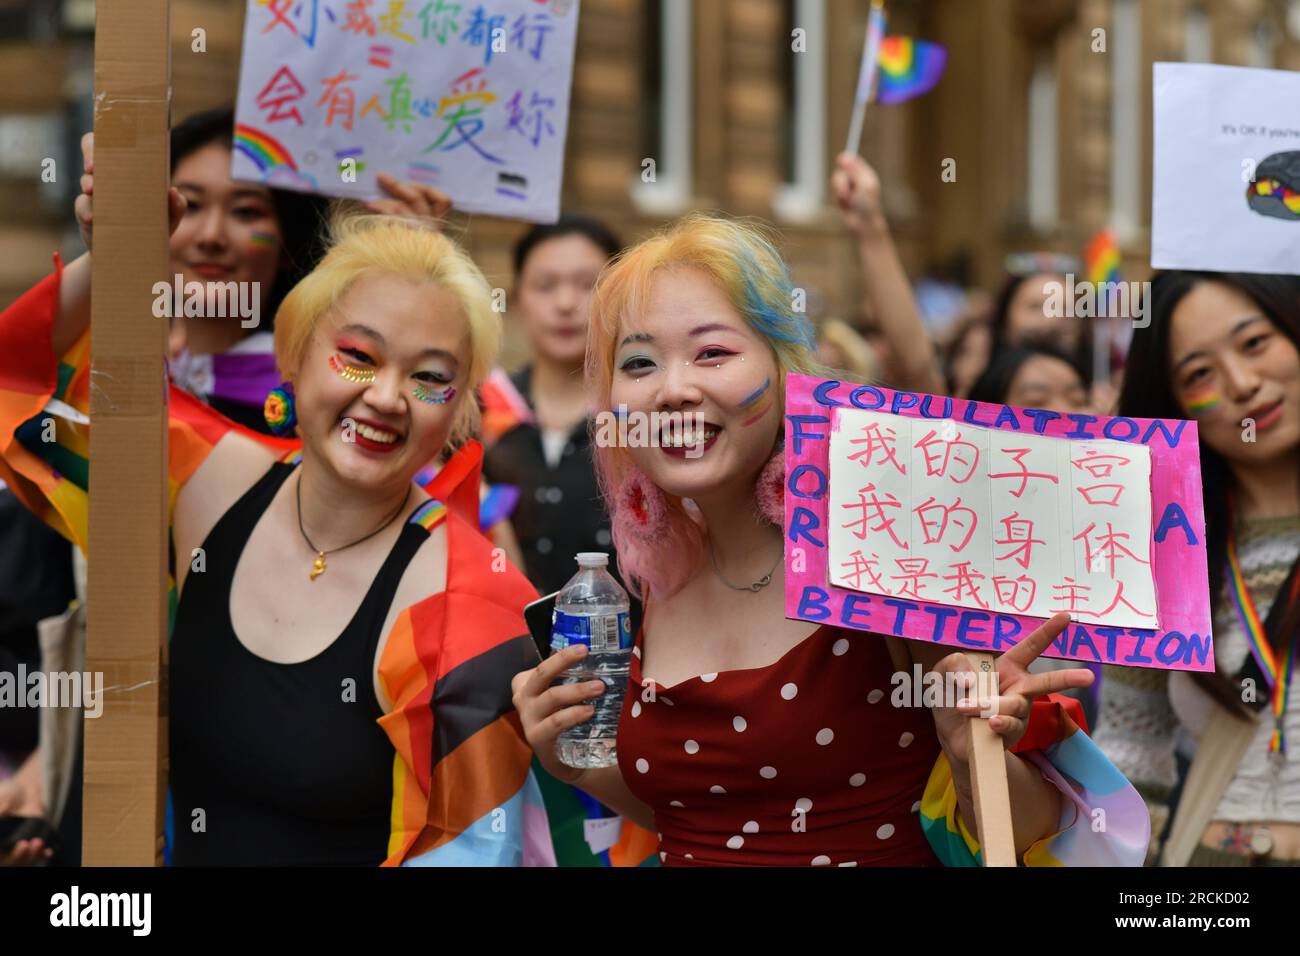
(433, 396)
(759, 401)
(353, 373)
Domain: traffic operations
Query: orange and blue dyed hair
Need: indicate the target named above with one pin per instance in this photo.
(741, 258)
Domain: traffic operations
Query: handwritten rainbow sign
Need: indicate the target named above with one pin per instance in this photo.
(263, 151)
(469, 97)
(1154, 614)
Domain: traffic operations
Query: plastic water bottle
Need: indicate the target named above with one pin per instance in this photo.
(593, 609)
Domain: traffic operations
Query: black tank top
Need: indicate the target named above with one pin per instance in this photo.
(285, 770)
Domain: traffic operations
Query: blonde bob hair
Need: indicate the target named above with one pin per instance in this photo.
(369, 244)
(743, 261)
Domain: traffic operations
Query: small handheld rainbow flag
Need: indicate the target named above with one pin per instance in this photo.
(1101, 258)
(893, 69)
(1101, 261)
(867, 73)
(908, 68)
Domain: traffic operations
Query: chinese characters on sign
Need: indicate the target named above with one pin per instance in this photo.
(470, 97)
(942, 511)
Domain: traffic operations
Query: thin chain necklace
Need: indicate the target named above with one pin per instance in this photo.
(318, 565)
(758, 585)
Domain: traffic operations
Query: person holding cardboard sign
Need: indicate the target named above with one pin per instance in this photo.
(1224, 350)
(328, 691)
(745, 739)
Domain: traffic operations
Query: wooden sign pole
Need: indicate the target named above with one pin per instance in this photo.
(992, 792)
(126, 602)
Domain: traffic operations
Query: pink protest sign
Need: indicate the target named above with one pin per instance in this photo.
(968, 524)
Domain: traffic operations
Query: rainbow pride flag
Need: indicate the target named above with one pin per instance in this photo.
(1101, 258)
(908, 68)
(1057, 744)
(503, 407)
(569, 812)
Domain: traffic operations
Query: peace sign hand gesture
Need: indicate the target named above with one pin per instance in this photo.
(1005, 700)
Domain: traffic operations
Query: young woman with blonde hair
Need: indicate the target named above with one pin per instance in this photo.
(340, 658)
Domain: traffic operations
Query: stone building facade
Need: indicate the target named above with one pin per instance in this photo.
(742, 106)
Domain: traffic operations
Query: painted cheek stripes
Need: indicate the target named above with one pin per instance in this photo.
(758, 402)
(362, 376)
(1202, 402)
(264, 240)
(433, 396)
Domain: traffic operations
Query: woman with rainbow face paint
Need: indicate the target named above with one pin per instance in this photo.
(227, 232)
(326, 566)
(1224, 350)
(747, 738)
(262, 240)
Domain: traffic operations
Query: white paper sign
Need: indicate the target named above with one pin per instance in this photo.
(950, 513)
(1226, 178)
(603, 833)
(469, 97)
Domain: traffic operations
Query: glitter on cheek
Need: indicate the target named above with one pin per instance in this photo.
(433, 396)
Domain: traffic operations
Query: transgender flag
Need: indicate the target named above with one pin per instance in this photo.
(908, 68)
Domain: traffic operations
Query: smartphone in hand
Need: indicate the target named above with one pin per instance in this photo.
(538, 617)
(14, 830)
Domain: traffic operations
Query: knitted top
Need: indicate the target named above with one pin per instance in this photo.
(1142, 709)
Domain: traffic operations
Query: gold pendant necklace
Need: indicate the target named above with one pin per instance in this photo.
(318, 563)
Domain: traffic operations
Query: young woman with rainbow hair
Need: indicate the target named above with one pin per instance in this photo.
(747, 738)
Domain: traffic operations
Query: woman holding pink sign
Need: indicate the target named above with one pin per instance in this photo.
(1224, 350)
(746, 738)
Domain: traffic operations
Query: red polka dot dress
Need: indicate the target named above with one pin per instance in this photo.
(800, 763)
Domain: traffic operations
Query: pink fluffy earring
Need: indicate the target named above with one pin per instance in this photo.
(769, 492)
(642, 512)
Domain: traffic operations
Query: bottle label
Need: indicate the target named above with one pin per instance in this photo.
(601, 633)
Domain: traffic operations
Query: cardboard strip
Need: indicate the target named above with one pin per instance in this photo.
(127, 585)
